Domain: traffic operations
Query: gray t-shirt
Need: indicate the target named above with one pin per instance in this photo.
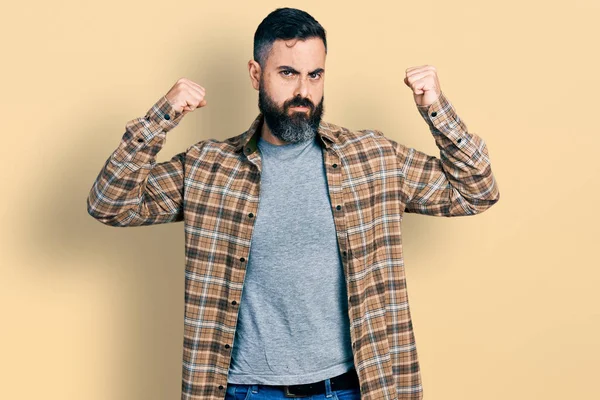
(293, 324)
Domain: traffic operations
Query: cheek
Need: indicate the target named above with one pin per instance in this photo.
(317, 90)
(317, 96)
(281, 95)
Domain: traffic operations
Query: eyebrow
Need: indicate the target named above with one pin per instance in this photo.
(287, 67)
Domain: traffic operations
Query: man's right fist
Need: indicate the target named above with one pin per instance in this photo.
(186, 96)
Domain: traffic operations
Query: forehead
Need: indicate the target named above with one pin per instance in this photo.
(298, 53)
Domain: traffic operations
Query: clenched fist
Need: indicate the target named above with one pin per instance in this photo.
(424, 82)
(186, 96)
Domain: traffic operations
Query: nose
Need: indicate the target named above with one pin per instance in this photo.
(301, 88)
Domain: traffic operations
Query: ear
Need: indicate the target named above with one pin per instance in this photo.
(254, 71)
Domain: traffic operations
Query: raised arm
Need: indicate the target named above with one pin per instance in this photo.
(132, 189)
(458, 183)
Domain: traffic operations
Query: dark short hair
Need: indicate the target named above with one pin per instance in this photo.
(285, 23)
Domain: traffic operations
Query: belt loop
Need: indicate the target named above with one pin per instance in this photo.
(254, 389)
(328, 393)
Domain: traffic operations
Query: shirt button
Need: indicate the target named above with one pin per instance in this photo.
(459, 140)
(242, 259)
(167, 116)
(353, 345)
(433, 114)
(221, 387)
(140, 140)
(344, 253)
(227, 346)
(147, 118)
(334, 165)
(250, 215)
(338, 208)
(234, 302)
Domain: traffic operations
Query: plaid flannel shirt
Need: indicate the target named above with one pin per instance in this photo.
(214, 188)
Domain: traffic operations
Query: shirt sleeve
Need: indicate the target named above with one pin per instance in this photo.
(460, 182)
(132, 189)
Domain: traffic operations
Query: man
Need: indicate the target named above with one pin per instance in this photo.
(305, 217)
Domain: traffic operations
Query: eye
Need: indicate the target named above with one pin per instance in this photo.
(287, 70)
(317, 74)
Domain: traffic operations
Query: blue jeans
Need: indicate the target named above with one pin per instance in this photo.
(236, 391)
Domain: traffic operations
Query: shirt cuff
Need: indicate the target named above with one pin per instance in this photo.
(443, 120)
(144, 136)
(161, 117)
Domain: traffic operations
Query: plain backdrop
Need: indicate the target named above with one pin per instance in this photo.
(504, 304)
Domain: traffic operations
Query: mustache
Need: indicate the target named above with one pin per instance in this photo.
(299, 102)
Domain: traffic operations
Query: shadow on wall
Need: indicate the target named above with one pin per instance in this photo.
(149, 260)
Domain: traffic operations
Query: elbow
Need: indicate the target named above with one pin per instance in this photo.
(103, 217)
(99, 216)
(479, 205)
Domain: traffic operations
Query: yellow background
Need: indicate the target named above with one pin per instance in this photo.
(505, 304)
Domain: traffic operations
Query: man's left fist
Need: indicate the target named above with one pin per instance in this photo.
(424, 83)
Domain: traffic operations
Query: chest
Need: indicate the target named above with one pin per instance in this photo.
(224, 193)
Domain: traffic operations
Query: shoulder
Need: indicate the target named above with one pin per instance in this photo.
(352, 138)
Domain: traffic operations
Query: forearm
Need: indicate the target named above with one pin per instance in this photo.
(464, 158)
(459, 182)
(120, 192)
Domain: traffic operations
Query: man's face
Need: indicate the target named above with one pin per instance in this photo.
(293, 76)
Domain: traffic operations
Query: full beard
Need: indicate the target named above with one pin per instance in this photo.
(298, 127)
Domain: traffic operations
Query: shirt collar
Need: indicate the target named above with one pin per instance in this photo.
(327, 133)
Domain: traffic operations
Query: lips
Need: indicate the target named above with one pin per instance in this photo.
(300, 108)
